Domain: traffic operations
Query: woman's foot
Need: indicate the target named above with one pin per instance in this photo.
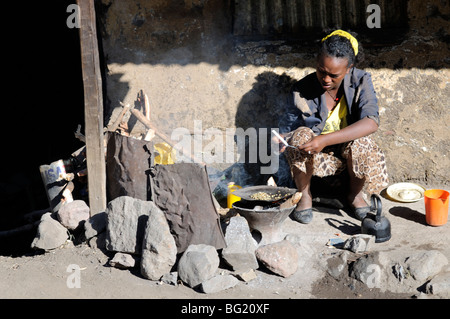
(355, 197)
(303, 212)
(357, 201)
(304, 216)
(359, 206)
(305, 202)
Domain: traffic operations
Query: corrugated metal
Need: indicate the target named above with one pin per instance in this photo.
(259, 17)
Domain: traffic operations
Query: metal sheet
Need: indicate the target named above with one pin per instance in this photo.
(262, 17)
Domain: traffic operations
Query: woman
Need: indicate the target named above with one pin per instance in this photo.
(333, 113)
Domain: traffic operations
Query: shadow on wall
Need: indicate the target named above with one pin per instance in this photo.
(259, 111)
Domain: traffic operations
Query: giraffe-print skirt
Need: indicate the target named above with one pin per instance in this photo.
(368, 160)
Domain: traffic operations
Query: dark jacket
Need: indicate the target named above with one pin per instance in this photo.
(307, 106)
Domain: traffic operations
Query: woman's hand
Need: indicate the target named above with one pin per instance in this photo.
(316, 145)
(356, 130)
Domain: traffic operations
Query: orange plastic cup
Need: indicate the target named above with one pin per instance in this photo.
(436, 206)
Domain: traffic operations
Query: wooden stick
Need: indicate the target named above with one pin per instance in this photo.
(145, 104)
(291, 201)
(149, 135)
(147, 107)
(78, 134)
(118, 120)
(141, 117)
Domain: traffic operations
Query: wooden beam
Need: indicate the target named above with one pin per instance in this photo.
(93, 107)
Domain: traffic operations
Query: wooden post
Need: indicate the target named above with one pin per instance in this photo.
(93, 107)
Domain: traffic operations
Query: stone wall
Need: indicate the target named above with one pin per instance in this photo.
(183, 55)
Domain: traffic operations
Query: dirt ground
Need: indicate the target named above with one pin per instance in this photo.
(46, 275)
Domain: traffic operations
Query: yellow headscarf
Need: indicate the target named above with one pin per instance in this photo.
(347, 35)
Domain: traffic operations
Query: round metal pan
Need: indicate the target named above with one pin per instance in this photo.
(275, 193)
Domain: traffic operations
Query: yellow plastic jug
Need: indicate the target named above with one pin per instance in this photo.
(231, 198)
(166, 154)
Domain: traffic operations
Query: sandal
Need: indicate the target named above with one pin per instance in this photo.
(303, 216)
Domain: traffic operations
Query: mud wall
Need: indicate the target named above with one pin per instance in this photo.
(184, 56)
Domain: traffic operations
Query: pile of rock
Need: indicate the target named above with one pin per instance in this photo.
(396, 271)
(139, 229)
(55, 229)
(139, 235)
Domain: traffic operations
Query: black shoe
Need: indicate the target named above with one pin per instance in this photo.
(303, 216)
(361, 212)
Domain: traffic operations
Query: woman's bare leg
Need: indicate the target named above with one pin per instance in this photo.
(355, 196)
(303, 212)
(303, 183)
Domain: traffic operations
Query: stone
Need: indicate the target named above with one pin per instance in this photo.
(439, 285)
(247, 275)
(337, 264)
(241, 247)
(170, 278)
(159, 250)
(306, 253)
(122, 261)
(50, 234)
(95, 225)
(281, 258)
(72, 215)
(98, 241)
(218, 283)
(371, 270)
(126, 220)
(198, 264)
(426, 264)
(385, 270)
(359, 243)
(398, 271)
